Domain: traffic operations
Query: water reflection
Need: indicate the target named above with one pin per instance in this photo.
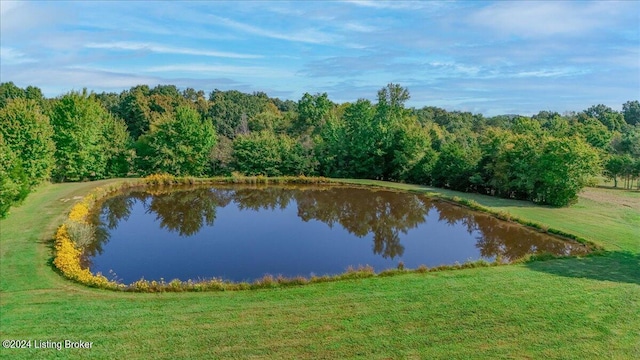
(385, 216)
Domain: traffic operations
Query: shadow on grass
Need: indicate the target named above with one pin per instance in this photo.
(619, 188)
(623, 267)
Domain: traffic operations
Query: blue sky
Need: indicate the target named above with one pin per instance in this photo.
(484, 57)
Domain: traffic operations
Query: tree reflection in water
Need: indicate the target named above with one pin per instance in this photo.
(500, 238)
(383, 213)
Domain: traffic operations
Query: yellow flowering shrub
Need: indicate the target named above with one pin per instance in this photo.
(67, 255)
(79, 212)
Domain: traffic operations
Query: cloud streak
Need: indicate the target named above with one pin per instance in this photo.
(163, 49)
(310, 35)
(546, 18)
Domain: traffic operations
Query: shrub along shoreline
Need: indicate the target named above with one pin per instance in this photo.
(77, 230)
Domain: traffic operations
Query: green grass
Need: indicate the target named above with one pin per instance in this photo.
(582, 308)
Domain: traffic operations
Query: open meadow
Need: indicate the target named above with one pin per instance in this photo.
(576, 308)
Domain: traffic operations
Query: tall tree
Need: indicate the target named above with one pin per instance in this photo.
(9, 91)
(616, 166)
(28, 134)
(231, 109)
(118, 147)
(392, 97)
(563, 169)
(312, 112)
(135, 111)
(265, 153)
(14, 184)
(613, 120)
(362, 139)
(456, 165)
(631, 111)
(78, 122)
(179, 145)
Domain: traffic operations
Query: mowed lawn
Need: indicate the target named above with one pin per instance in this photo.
(578, 308)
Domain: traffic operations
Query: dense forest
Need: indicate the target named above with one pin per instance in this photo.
(546, 158)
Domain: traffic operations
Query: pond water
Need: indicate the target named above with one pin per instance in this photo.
(241, 233)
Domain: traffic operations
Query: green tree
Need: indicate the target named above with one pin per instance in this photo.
(265, 153)
(232, 110)
(331, 148)
(135, 109)
(613, 120)
(616, 166)
(596, 134)
(413, 157)
(8, 92)
(257, 154)
(312, 112)
(179, 145)
(270, 119)
(78, 123)
(563, 169)
(631, 111)
(515, 176)
(362, 141)
(392, 98)
(28, 134)
(221, 156)
(118, 147)
(525, 125)
(390, 121)
(558, 126)
(14, 184)
(488, 177)
(455, 166)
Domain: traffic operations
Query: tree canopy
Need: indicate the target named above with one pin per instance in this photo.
(545, 158)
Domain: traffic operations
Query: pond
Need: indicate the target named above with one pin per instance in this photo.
(241, 232)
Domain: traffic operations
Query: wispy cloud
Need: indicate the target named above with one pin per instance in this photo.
(311, 36)
(227, 70)
(549, 73)
(7, 6)
(358, 27)
(546, 18)
(162, 49)
(59, 80)
(386, 4)
(11, 56)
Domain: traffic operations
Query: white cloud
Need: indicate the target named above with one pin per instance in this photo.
(11, 56)
(7, 6)
(357, 27)
(544, 73)
(311, 36)
(250, 71)
(162, 49)
(545, 18)
(378, 4)
(55, 81)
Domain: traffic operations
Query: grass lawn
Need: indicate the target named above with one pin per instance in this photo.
(582, 308)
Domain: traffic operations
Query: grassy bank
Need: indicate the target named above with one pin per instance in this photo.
(569, 308)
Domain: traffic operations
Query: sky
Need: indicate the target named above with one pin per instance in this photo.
(501, 57)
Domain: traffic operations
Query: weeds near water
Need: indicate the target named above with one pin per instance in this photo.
(80, 233)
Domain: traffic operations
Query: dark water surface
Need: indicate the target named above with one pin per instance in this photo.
(241, 233)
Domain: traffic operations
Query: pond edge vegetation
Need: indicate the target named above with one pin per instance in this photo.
(76, 231)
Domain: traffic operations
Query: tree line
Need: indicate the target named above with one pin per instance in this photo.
(546, 158)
